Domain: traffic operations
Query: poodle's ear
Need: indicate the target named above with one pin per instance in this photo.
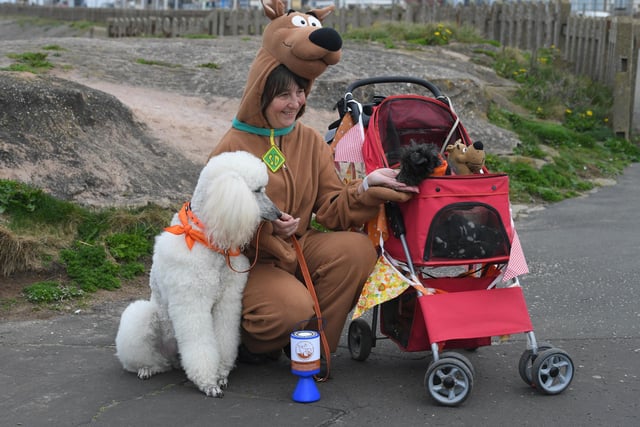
(231, 213)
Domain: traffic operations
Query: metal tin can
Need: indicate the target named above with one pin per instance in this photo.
(305, 352)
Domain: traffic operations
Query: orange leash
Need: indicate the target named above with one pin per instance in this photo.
(255, 258)
(316, 303)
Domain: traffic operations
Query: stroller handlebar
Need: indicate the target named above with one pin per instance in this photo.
(343, 107)
(396, 79)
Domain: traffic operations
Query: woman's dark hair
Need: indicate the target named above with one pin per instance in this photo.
(279, 81)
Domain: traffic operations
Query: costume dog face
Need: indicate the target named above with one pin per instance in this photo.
(299, 41)
(296, 40)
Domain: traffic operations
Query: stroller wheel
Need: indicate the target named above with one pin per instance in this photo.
(526, 362)
(448, 381)
(552, 371)
(360, 339)
(461, 358)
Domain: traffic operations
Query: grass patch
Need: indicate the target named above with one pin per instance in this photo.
(97, 248)
(199, 36)
(393, 35)
(567, 113)
(550, 91)
(82, 25)
(32, 62)
(210, 65)
(143, 61)
(53, 47)
(88, 267)
(578, 158)
(50, 292)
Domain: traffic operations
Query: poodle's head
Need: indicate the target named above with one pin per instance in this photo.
(418, 161)
(230, 198)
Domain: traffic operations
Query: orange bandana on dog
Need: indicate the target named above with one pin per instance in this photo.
(192, 235)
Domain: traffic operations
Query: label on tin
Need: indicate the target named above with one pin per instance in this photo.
(305, 351)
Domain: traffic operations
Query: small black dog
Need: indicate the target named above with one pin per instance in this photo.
(417, 161)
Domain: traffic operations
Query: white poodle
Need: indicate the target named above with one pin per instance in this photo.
(193, 316)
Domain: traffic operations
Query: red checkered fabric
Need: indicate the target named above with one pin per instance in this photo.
(517, 264)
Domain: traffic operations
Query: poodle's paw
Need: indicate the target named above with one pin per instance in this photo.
(223, 383)
(145, 373)
(212, 390)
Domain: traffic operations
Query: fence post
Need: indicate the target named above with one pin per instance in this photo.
(635, 115)
(622, 93)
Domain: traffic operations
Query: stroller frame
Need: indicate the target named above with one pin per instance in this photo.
(469, 308)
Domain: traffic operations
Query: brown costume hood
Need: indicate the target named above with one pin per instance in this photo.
(296, 40)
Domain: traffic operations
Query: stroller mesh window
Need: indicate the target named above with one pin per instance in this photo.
(466, 231)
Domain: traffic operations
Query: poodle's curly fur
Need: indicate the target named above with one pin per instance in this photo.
(193, 316)
(417, 162)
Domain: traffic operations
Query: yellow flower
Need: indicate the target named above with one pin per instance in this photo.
(606, 119)
(568, 111)
(589, 113)
(437, 33)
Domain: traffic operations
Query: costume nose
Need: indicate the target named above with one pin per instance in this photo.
(327, 38)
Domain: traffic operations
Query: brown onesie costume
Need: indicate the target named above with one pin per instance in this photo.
(276, 301)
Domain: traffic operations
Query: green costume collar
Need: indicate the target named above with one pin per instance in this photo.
(260, 131)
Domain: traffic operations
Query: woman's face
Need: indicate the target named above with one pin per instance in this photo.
(284, 108)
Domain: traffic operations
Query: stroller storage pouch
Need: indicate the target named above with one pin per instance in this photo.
(456, 219)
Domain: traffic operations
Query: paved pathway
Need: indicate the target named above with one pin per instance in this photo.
(582, 293)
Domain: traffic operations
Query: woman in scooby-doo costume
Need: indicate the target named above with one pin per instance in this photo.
(302, 181)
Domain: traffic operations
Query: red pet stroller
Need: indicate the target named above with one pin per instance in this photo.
(454, 245)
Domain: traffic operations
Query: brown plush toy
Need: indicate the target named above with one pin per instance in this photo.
(466, 159)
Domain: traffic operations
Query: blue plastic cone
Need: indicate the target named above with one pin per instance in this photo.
(306, 391)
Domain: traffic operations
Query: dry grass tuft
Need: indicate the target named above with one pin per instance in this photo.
(17, 254)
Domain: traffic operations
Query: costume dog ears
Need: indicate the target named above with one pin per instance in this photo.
(298, 39)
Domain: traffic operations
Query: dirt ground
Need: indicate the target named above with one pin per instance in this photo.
(186, 108)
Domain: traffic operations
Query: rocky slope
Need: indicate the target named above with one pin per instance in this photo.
(102, 127)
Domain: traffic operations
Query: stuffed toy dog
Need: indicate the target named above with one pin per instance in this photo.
(466, 159)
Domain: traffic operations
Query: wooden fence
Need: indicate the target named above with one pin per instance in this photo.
(604, 49)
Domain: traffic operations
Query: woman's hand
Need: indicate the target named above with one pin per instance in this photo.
(285, 226)
(386, 177)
